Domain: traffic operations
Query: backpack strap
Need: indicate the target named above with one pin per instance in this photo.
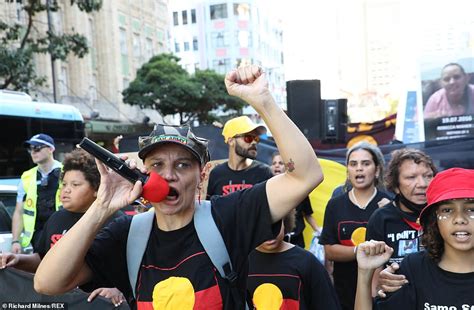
(137, 239)
(208, 234)
(211, 240)
(213, 243)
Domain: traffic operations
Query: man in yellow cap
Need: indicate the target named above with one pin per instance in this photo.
(241, 170)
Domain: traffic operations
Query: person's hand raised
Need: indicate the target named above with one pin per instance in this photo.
(115, 192)
(249, 84)
(372, 254)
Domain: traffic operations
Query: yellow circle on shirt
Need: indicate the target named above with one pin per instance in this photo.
(358, 235)
(267, 296)
(173, 293)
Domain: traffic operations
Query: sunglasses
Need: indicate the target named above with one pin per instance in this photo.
(249, 138)
(34, 149)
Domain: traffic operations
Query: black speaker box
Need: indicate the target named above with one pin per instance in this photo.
(303, 101)
(334, 120)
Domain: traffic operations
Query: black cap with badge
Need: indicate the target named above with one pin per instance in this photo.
(181, 135)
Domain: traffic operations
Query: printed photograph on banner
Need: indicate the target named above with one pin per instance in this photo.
(447, 85)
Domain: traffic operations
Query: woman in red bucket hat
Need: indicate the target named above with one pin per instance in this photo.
(441, 276)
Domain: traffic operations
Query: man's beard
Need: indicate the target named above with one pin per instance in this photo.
(245, 152)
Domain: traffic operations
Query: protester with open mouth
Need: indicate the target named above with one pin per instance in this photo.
(175, 271)
(346, 217)
(442, 275)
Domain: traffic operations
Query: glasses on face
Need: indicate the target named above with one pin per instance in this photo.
(37, 148)
(249, 138)
(446, 213)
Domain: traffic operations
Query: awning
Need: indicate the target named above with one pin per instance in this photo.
(109, 127)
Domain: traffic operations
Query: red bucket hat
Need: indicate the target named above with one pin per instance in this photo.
(454, 183)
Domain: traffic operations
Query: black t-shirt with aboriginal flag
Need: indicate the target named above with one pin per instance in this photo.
(397, 228)
(429, 287)
(291, 280)
(345, 224)
(175, 270)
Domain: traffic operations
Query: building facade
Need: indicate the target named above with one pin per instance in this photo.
(121, 37)
(222, 35)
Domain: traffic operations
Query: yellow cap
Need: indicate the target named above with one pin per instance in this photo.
(240, 125)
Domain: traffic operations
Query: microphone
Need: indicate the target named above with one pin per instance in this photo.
(155, 188)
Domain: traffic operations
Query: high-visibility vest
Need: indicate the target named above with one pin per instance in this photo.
(29, 179)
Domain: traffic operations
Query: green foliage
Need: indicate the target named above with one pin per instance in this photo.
(18, 46)
(162, 84)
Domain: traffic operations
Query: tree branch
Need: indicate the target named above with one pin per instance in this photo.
(30, 13)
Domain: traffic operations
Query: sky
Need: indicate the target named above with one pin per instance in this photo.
(299, 49)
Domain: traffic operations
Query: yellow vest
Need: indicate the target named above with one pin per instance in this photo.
(29, 206)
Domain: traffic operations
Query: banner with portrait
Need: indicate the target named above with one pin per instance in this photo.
(448, 99)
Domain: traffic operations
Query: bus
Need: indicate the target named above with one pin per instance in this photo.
(21, 118)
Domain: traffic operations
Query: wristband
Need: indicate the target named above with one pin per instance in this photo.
(15, 241)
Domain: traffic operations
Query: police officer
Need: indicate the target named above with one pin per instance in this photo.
(38, 193)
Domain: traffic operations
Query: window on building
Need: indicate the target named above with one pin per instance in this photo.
(125, 65)
(242, 10)
(63, 82)
(193, 16)
(195, 43)
(244, 38)
(175, 19)
(136, 46)
(218, 11)
(161, 46)
(185, 17)
(123, 41)
(220, 39)
(148, 48)
(125, 83)
(92, 45)
(90, 32)
(176, 47)
(93, 87)
(186, 46)
(57, 19)
(221, 65)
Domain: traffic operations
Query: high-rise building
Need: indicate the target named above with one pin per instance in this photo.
(222, 35)
(121, 37)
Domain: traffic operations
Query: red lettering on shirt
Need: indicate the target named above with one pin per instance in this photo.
(55, 238)
(230, 188)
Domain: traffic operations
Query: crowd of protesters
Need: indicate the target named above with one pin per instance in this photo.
(400, 235)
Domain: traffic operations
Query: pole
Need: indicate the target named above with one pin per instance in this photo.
(53, 69)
